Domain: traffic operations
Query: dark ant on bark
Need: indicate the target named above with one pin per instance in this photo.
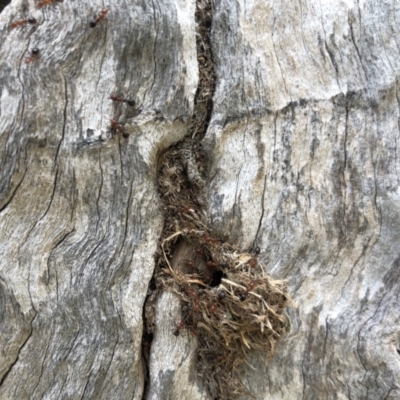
(130, 102)
(99, 18)
(116, 128)
(34, 53)
(21, 22)
(179, 327)
(45, 2)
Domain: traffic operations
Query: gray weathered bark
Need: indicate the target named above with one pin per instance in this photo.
(302, 145)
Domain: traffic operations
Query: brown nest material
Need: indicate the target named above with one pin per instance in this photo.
(229, 301)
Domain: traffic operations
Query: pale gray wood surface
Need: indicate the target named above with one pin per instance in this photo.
(304, 139)
(303, 151)
(80, 216)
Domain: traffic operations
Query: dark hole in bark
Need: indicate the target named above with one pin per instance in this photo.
(398, 352)
(216, 278)
(4, 3)
(152, 284)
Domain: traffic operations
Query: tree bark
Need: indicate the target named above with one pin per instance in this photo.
(302, 151)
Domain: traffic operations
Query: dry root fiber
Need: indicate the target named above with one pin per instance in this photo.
(229, 301)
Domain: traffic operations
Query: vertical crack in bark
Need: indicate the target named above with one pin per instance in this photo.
(227, 301)
(64, 121)
(189, 155)
(262, 211)
(346, 128)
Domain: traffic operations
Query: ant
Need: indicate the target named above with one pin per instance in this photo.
(221, 295)
(213, 307)
(45, 2)
(212, 264)
(212, 240)
(34, 54)
(190, 265)
(179, 327)
(253, 260)
(30, 20)
(250, 287)
(130, 102)
(200, 252)
(182, 289)
(194, 331)
(102, 15)
(196, 302)
(194, 296)
(117, 128)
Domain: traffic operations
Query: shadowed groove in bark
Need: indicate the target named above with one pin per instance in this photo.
(3, 4)
(226, 299)
(188, 153)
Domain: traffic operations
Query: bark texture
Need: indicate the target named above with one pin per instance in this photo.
(80, 216)
(304, 138)
(302, 145)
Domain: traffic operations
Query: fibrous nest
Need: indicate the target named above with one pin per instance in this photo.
(229, 301)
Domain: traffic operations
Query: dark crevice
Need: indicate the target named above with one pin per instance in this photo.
(3, 4)
(190, 156)
(262, 212)
(13, 193)
(211, 277)
(345, 166)
(87, 384)
(147, 335)
(19, 352)
(99, 195)
(357, 50)
(113, 354)
(64, 121)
